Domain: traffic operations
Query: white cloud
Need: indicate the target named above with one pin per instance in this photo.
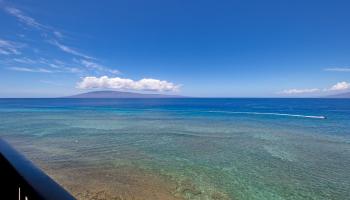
(340, 86)
(51, 82)
(26, 64)
(69, 50)
(337, 87)
(73, 70)
(338, 69)
(91, 65)
(54, 37)
(26, 69)
(95, 66)
(58, 34)
(61, 66)
(29, 21)
(24, 60)
(146, 84)
(9, 47)
(300, 91)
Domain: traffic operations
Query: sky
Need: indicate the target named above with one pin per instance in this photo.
(236, 48)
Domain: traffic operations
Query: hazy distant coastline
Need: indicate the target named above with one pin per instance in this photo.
(118, 94)
(342, 95)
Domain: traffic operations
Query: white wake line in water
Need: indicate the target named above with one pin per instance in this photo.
(276, 114)
(248, 113)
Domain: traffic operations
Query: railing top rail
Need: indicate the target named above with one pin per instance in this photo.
(40, 183)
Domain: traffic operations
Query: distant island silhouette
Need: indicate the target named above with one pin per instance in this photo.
(341, 95)
(119, 94)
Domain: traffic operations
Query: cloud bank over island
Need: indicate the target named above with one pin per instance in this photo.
(340, 86)
(338, 69)
(145, 84)
(300, 91)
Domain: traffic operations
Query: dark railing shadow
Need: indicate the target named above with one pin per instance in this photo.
(20, 179)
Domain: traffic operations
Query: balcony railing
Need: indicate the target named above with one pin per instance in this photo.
(21, 180)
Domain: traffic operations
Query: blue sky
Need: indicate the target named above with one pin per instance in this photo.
(195, 48)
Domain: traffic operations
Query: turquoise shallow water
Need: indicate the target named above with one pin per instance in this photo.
(226, 148)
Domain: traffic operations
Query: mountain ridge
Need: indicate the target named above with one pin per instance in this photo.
(119, 94)
(341, 95)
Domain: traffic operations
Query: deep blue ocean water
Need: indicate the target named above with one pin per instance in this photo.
(227, 148)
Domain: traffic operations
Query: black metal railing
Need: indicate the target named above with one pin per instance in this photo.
(20, 179)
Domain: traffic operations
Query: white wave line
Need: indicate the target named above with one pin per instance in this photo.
(248, 113)
(277, 114)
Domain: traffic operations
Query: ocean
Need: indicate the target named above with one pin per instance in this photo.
(190, 148)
